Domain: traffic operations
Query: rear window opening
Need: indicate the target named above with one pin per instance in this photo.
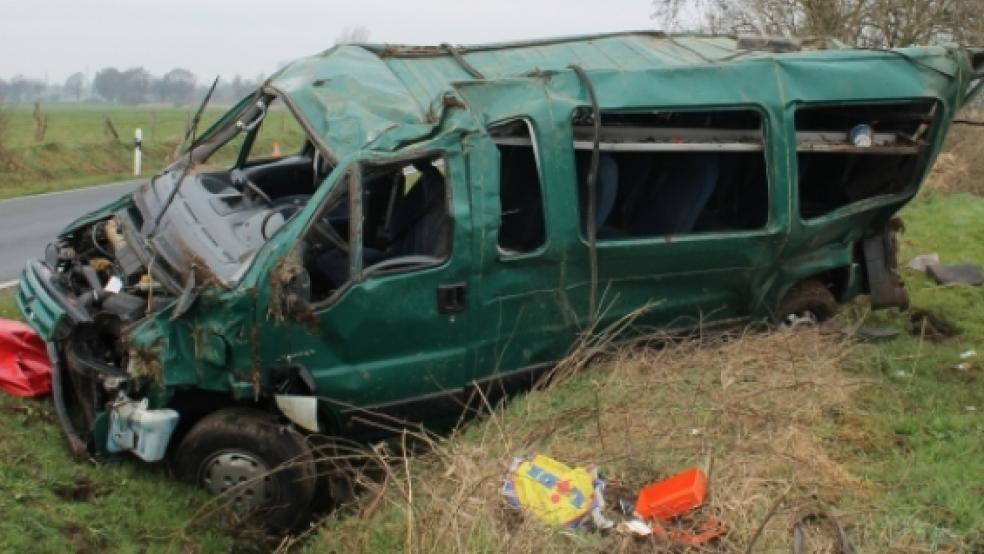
(674, 173)
(523, 227)
(846, 154)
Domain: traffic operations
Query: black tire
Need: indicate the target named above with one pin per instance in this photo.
(807, 297)
(255, 443)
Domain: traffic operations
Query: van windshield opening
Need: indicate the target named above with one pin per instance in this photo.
(253, 175)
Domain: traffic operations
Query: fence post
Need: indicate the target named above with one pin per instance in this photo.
(137, 152)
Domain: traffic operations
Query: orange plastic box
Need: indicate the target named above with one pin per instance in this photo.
(673, 497)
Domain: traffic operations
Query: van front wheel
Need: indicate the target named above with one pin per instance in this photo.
(256, 464)
(807, 302)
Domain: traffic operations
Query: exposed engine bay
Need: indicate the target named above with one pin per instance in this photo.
(142, 259)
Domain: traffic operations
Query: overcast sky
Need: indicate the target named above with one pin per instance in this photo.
(55, 38)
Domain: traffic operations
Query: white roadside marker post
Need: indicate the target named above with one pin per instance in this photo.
(137, 152)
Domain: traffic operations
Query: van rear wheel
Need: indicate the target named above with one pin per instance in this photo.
(808, 302)
(256, 464)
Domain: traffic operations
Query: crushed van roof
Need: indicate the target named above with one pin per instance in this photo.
(382, 97)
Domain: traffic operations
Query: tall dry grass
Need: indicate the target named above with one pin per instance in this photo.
(960, 167)
(746, 408)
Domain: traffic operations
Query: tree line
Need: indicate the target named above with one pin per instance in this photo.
(133, 86)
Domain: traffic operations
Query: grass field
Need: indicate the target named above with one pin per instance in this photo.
(77, 151)
(888, 437)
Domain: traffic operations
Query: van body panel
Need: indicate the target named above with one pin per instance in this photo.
(450, 331)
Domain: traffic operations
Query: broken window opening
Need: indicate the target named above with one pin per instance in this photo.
(850, 153)
(674, 173)
(405, 225)
(522, 227)
(406, 220)
(326, 245)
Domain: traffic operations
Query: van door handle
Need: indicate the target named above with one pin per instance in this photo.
(451, 298)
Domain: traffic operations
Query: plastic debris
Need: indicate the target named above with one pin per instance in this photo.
(556, 493)
(669, 505)
(673, 497)
(709, 530)
(923, 261)
(962, 274)
(872, 334)
(968, 354)
(635, 527)
(24, 366)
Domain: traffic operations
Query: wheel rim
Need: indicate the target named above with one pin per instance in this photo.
(243, 477)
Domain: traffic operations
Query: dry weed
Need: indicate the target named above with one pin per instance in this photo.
(745, 407)
(960, 168)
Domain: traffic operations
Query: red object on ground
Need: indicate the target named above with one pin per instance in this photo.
(673, 497)
(24, 366)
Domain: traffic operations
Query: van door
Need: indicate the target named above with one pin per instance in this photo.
(388, 333)
(684, 211)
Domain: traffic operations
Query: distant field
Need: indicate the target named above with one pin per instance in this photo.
(77, 150)
(85, 123)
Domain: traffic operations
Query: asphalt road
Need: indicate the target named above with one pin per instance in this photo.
(29, 223)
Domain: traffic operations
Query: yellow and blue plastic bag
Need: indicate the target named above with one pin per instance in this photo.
(552, 491)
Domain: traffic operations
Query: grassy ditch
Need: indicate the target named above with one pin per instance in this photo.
(51, 503)
(888, 438)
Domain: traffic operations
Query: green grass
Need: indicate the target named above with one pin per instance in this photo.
(50, 503)
(923, 424)
(77, 152)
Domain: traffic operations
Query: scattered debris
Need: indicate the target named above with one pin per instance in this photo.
(692, 535)
(921, 262)
(635, 527)
(968, 354)
(673, 497)
(958, 274)
(869, 333)
(81, 489)
(932, 326)
(961, 274)
(822, 520)
(24, 366)
(556, 493)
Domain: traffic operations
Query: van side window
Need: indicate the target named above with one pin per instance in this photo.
(406, 219)
(523, 228)
(850, 153)
(326, 244)
(405, 224)
(673, 172)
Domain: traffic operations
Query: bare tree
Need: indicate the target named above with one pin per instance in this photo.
(353, 35)
(866, 23)
(74, 85)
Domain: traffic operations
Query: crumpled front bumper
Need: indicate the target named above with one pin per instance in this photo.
(46, 309)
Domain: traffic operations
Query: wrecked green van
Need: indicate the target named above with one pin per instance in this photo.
(453, 218)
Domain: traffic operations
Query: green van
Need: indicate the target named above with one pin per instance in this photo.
(446, 221)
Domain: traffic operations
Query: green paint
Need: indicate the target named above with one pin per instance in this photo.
(383, 340)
